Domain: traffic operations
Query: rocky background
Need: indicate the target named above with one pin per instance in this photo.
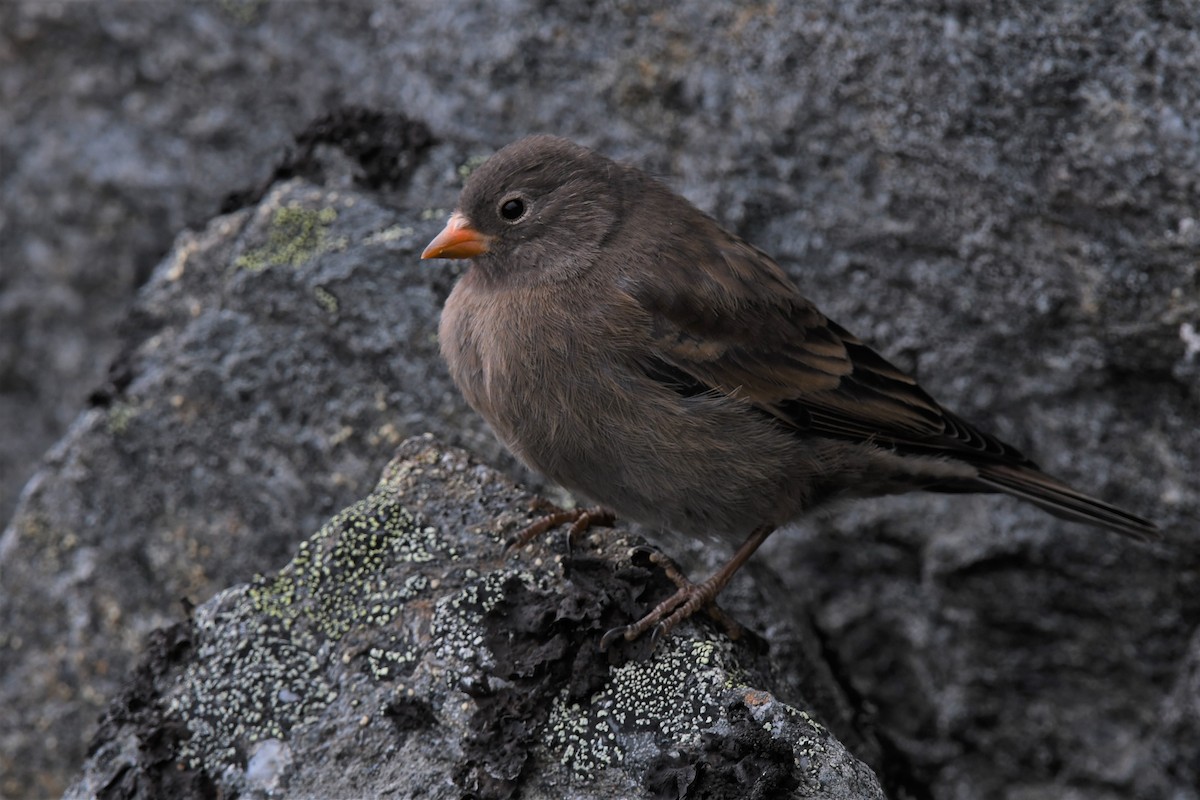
(1004, 200)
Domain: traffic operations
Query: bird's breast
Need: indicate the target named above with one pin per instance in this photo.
(559, 384)
(524, 365)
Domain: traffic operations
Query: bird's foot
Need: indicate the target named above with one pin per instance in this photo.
(581, 520)
(690, 597)
(687, 600)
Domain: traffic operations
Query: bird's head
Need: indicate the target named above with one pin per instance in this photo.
(538, 210)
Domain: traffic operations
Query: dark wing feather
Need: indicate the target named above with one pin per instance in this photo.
(743, 329)
(1063, 501)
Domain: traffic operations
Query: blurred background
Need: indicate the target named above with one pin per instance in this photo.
(1004, 199)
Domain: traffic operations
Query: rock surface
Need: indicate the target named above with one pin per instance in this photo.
(400, 653)
(1003, 199)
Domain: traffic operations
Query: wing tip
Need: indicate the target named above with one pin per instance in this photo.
(1061, 500)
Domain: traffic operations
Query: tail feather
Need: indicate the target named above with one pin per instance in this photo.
(1063, 501)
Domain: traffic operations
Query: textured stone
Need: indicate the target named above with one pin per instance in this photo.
(1002, 198)
(401, 651)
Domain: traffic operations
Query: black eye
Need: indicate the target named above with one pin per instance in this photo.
(512, 209)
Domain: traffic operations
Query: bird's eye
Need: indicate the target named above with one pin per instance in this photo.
(512, 209)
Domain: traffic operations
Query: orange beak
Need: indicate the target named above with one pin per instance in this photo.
(457, 240)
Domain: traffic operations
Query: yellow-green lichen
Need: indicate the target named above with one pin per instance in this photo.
(384, 664)
(326, 299)
(668, 697)
(259, 670)
(393, 233)
(470, 165)
(295, 235)
(337, 581)
(119, 416)
(245, 688)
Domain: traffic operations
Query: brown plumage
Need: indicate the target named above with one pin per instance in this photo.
(620, 341)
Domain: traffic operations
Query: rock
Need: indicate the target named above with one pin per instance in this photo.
(255, 359)
(400, 651)
(1002, 199)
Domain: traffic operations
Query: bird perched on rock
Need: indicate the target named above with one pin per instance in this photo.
(620, 341)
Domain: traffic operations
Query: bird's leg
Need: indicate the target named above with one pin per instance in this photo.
(581, 520)
(674, 574)
(690, 597)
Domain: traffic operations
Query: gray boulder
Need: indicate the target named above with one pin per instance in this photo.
(400, 653)
(1002, 199)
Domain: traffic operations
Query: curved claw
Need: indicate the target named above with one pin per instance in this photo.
(511, 543)
(614, 634)
(590, 517)
(580, 518)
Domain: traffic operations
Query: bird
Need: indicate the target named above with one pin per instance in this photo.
(621, 342)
